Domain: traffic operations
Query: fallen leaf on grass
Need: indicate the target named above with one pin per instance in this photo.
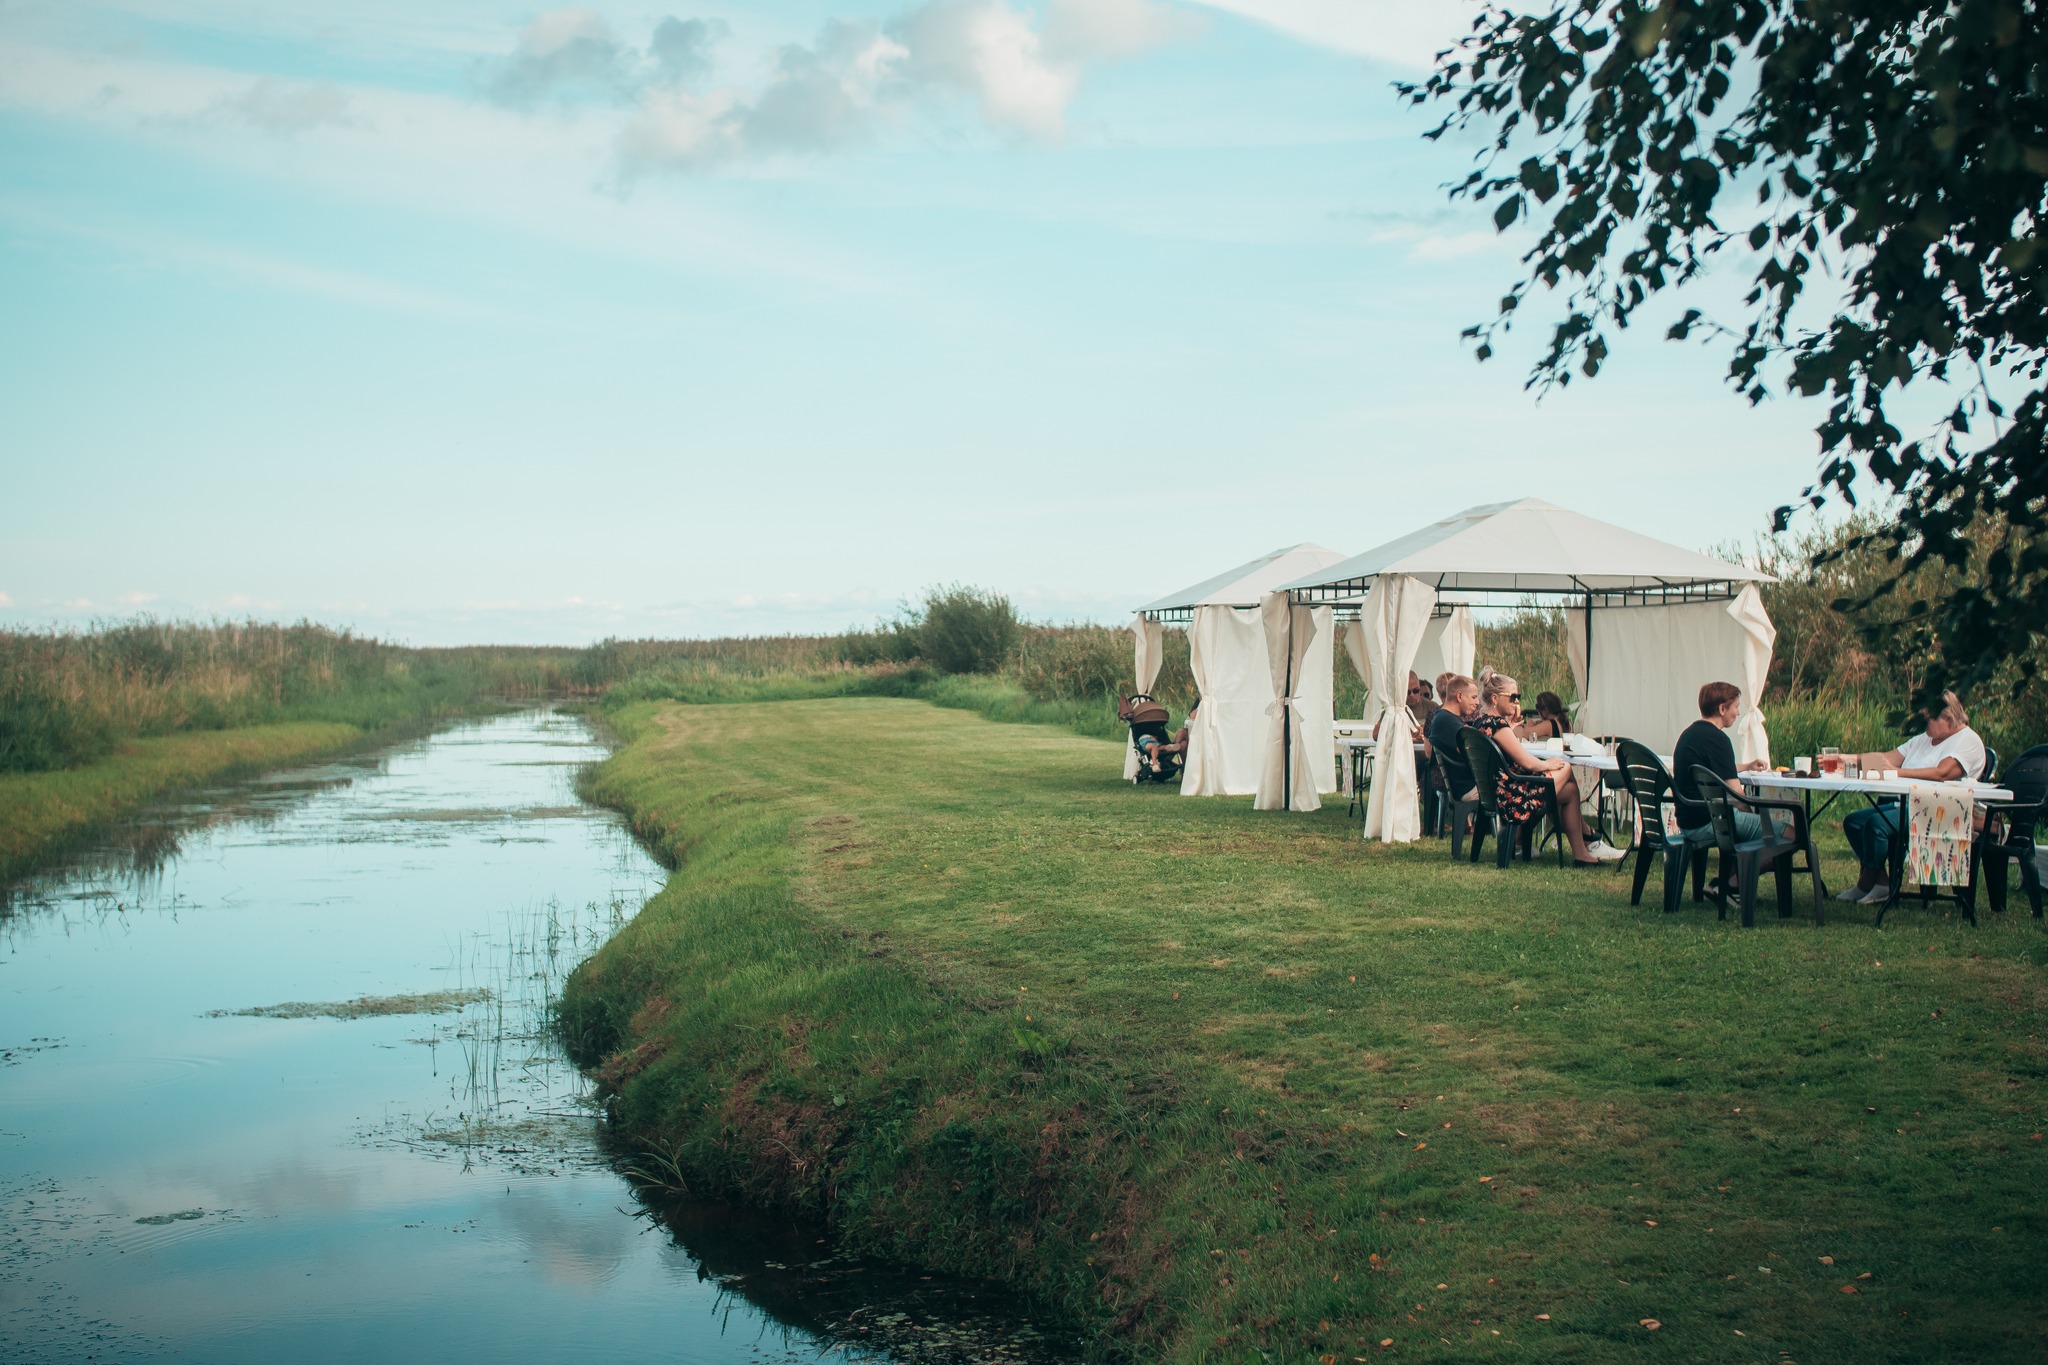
(1485, 1179)
(1543, 1317)
(1651, 1323)
(1649, 1222)
(1386, 1341)
(1849, 1289)
(1399, 1133)
(1864, 1276)
(1827, 1260)
(1420, 1145)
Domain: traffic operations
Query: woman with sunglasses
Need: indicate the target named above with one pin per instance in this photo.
(1502, 697)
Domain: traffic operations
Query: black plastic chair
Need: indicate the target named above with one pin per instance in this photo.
(1650, 787)
(1489, 770)
(1451, 807)
(1776, 847)
(2010, 831)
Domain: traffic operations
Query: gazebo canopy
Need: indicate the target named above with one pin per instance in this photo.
(1244, 585)
(1530, 546)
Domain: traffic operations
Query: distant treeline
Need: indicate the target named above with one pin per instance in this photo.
(67, 697)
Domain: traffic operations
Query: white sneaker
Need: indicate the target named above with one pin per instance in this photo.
(1878, 895)
(1851, 893)
(1605, 851)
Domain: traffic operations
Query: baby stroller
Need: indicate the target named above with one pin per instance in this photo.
(1148, 723)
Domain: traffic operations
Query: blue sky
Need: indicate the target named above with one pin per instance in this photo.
(465, 321)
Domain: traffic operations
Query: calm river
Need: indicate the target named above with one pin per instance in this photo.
(216, 1145)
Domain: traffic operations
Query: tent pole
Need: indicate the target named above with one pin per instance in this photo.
(1287, 721)
(1589, 648)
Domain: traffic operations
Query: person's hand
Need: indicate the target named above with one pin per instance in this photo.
(1755, 765)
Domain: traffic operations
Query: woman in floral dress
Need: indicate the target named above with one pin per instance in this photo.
(1502, 697)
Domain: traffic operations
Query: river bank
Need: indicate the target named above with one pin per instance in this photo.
(43, 814)
(286, 1044)
(1215, 1082)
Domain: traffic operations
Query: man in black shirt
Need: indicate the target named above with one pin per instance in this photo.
(1460, 703)
(1705, 744)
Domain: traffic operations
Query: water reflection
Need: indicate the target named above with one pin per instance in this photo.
(181, 1176)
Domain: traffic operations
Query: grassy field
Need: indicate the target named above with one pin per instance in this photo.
(1222, 1085)
(43, 812)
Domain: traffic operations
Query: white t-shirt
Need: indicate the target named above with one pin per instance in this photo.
(1963, 746)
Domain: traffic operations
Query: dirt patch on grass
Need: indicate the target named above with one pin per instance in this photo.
(362, 1007)
(1557, 1122)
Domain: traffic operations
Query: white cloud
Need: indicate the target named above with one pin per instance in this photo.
(1110, 30)
(1457, 245)
(284, 107)
(1409, 32)
(986, 50)
(563, 52)
(680, 49)
(133, 599)
(859, 76)
(5, 600)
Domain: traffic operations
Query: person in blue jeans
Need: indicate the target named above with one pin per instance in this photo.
(1705, 744)
(1948, 750)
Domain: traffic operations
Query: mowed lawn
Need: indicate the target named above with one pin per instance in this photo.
(1473, 1113)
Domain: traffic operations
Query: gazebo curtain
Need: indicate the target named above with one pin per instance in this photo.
(1397, 612)
(1149, 643)
(1760, 637)
(1448, 646)
(1647, 664)
(1226, 743)
(1299, 762)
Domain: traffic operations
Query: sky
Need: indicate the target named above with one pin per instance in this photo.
(461, 321)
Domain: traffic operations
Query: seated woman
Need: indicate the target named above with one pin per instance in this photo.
(1948, 750)
(1551, 720)
(1502, 697)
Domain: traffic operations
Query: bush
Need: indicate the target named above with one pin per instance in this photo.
(959, 629)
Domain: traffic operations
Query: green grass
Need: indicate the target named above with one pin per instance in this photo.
(41, 813)
(995, 697)
(1214, 1082)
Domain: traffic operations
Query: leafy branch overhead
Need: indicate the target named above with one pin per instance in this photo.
(1880, 166)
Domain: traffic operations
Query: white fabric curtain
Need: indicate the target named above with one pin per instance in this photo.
(1458, 646)
(1448, 645)
(1399, 608)
(1647, 665)
(1354, 649)
(1226, 744)
(1149, 640)
(1315, 688)
(1295, 733)
(1747, 611)
(1575, 656)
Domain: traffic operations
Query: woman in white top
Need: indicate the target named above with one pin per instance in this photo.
(1947, 751)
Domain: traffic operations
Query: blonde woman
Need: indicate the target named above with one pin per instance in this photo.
(1501, 696)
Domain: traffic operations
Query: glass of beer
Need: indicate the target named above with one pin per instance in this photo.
(1831, 761)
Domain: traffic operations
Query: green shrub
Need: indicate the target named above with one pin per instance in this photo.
(958, 629)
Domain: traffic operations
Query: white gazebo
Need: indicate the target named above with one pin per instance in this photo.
(1264, 671)
(1647, 624)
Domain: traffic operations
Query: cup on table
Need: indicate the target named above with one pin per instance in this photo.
(1802, 766)
(1891, 774)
